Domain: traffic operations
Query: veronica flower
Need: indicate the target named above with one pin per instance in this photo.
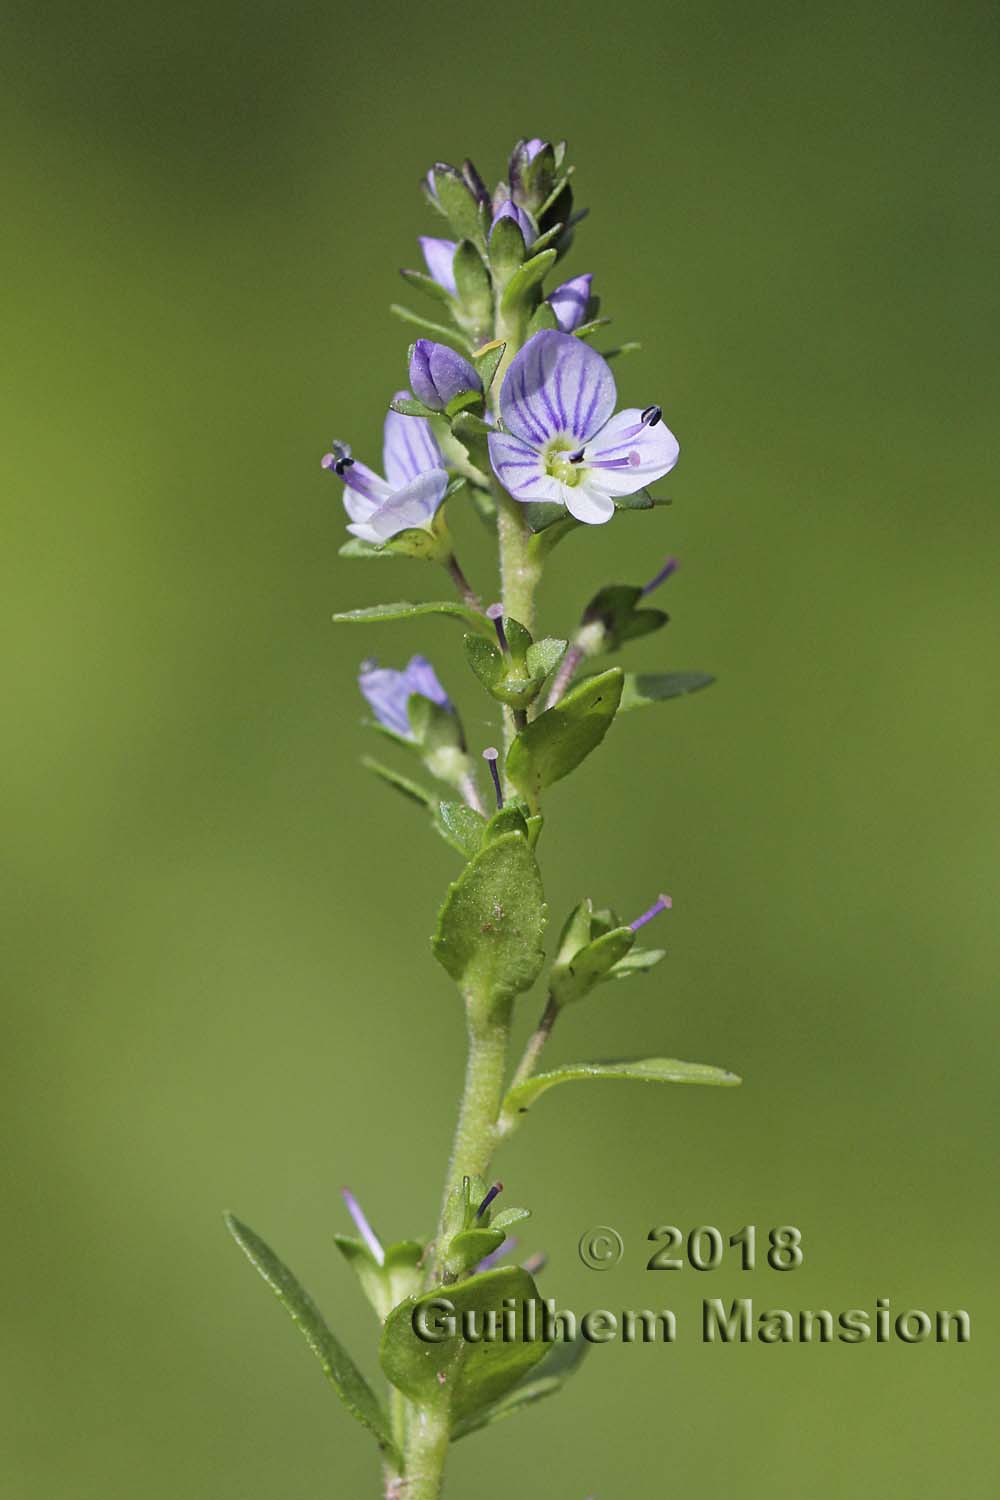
(388, 692)
(414, 484)
(569, 302)
(438, 374)
(439, 256)
(561, 443)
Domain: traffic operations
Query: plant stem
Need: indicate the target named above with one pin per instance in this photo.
(466, 592)
(564, 676)
(536, 1042)
(426, 1452)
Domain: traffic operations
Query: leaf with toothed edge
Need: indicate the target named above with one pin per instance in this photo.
(489, 932)
(338, 1367)
(641, 1070)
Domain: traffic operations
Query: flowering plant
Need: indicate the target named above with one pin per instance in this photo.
(510, 403)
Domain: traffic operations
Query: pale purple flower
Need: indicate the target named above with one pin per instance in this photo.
(438, 374)
(525, 223)
(569, 302)
(414, 484)
(561, 444)
(439, 257)
(388, 692)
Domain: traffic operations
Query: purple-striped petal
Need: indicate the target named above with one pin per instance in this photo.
(557, 386)
(439, 257)
(569, 302)
(409, 446)
(628, 454)
(366, 485)
(521, 470)
(415, 505)
(438, 374)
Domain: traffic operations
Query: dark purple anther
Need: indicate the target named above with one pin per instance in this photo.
(338, 459)
(490, 756)
(495, 613)
(670, 566)
(662, 903)
(494, 1190)
(577, 457)
(652, 415)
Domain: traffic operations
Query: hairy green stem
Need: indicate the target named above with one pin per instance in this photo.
(426, 1452)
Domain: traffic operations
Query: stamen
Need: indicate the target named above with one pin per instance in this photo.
(365, 1230)
(491, 757)
(494, 1190)
(670, 566)
(577, 457)
(495, 613)
(662, 903)
(338, 459)
(652, 415)
(535, 1263)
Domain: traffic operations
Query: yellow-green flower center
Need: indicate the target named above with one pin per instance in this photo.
(556, 458)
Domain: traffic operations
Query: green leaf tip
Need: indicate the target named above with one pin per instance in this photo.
(338, 1367)
(641, 1070)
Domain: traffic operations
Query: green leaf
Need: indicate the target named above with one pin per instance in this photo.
(639, 961)
(487, 361)
(541, 514)
(589, 965)
(558, 740)
(508, 1216)
(473, 284)
(548, 1377)
(436, 330)
(643, 688)
(509, 819)
(461, 826)
(338, 1367)
(456, 1374)
(357, 548)
(467, 1249)
(642, 1070)
(632, 347)
(485, 659)
(404, 610)
(459, 206)
(506, 249)
(544, 656)
(411, 789)
(489, 934)
(384, 1285)
(525, 277)
(586, 329)
(427, 284)
(407, 407)
(543, 317)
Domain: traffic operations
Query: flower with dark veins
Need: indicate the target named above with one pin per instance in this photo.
(412, 490)
(561, 444)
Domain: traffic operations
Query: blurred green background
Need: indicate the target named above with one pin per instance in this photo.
(218, 987)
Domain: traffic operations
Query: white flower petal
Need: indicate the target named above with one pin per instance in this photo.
(588, 504)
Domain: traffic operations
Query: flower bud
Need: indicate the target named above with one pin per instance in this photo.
(438, 375)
